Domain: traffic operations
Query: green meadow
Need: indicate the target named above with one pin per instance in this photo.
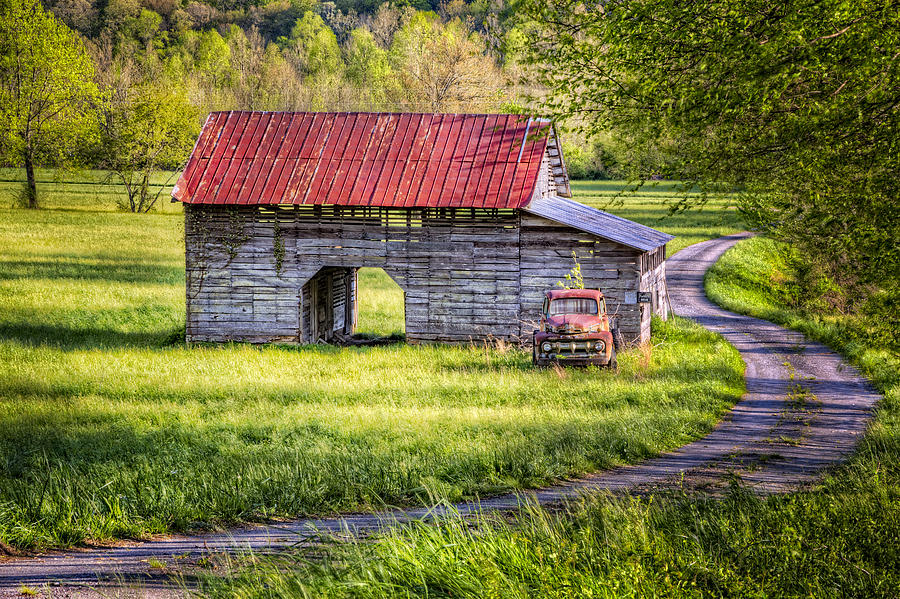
(839, 539)
(111, 427)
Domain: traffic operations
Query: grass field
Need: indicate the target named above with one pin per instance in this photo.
(651, 204)
(841, 539)
(93, 191)
(111, 427)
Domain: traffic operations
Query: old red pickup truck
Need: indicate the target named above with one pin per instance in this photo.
(575, 330)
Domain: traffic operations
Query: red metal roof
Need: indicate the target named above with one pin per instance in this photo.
(365, 159)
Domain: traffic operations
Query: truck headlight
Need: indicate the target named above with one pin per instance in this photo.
(546, 347)
(599, 346)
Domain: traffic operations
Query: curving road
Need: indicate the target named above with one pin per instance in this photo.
(804, 411)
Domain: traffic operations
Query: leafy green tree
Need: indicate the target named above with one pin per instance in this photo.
(313, 46)
(117, 12)
(47, 92)
(444, 67)
(261, 77)
(145, 28)
(368, 66)
(149, 125)
(797, 104)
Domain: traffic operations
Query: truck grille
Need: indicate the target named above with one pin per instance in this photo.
(572, 348)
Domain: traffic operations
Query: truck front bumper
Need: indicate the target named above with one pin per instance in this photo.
(577, 350)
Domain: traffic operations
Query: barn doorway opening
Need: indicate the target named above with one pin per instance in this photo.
(381, 306)
(346, 305)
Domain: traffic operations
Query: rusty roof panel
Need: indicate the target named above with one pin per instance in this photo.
(377, 159)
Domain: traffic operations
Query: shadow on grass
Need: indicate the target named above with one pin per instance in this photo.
(111, 271)
(72, 338)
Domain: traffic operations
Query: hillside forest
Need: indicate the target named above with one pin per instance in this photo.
(159, 66)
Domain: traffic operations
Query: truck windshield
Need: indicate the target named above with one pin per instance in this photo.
(573, 305)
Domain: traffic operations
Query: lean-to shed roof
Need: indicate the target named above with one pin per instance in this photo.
(366, 159)
(600, 223)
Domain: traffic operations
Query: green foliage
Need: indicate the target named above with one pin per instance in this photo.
(278, 250)
(796, 104)
(369, 68)
(47, 92)
(574, 278)
(313, 45)
(147, 127)
(130, 433)
(442, 67)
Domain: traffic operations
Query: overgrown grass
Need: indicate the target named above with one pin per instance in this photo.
(650, 205)
(111, 427)
(807, 545)
(839, 540)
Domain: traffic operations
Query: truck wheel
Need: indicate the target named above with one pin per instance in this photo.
(618, 340)
(613, 362)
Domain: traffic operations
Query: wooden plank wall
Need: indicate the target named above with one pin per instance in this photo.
(458, 267)
(653, 279)
(234, 291)
(466, 273)
(546, 257)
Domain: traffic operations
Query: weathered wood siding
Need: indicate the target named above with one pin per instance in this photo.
(234, 289)
(457, 267)
(653, 280)
(546, 258)
(466, 273)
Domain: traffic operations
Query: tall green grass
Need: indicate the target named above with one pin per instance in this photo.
(111, 427)
(841, 539)
(805, 545)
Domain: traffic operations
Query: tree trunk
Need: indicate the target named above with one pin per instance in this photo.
(31, 186)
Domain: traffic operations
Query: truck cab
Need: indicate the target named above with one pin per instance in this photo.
(575, 329)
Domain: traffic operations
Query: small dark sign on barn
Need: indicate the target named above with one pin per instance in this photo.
(469, 214)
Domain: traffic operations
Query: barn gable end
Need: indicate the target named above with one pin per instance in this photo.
(462, 211)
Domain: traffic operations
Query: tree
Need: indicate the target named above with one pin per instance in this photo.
(149, 125)
(795, 104)
(262, 79)
(47, 92)
(443, 68)
(368, 67)
(313, 46)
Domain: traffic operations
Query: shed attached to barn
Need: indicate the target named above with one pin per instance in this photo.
(469, 214)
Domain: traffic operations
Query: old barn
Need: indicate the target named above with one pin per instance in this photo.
(469, 214)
